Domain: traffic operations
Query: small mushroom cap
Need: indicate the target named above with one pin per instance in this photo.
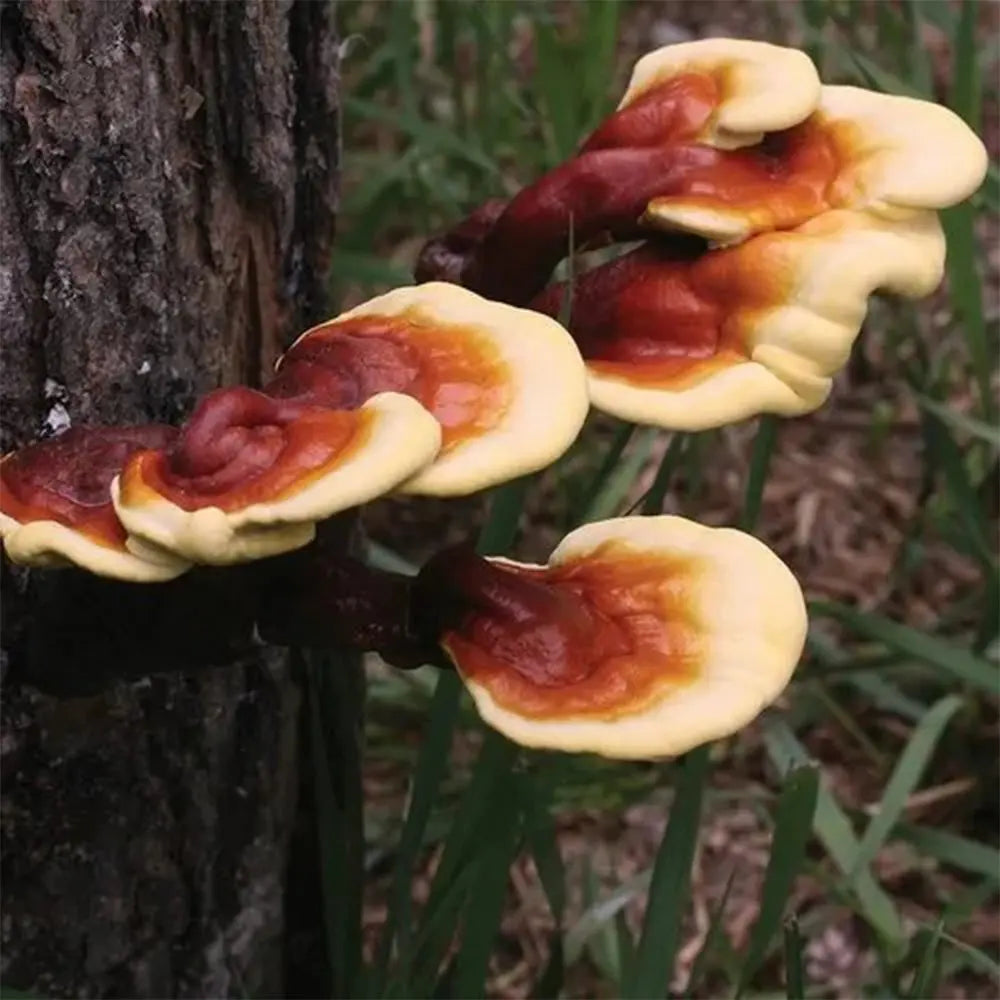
(766, 87)
(401, 438)
(894, 154)
(55, 503)
(753, 626)
(536, 361)
(51, 545)
(795, 302)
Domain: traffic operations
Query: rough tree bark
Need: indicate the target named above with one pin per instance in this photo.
(168, 184)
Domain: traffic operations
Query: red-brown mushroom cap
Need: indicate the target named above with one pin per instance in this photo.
(56, 509)
(642, 637)
(250, 474)
(859, 150)
(689, 340)
(507, 385)
(690, 127)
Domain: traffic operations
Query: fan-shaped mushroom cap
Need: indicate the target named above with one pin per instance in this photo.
(651, 635)
(689, 343)
(56, 510)
(765, 87)
(507, 385)
(252, 475)
(907, 153)
(860, 150)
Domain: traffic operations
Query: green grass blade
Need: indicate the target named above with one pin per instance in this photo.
(609, 498)
(368, 269)
(962, 422)
(649, 976)
(792, 828)
(429, 135)
(988, 196)
(482, 920)
(599, 45)
(402, 42)
(336, 699)
(915, 53)
(965, 288)
(923, 981)
(951, 849)
(501, 527)
(977, 959)
(602, 911)
(948, 657)
(540, 833)
(541, 837)
(795, 980)
(967, 82)
(475, 825)
(905, 778)
(653, 501)
(874, 75)
(713, 936)
(608, 464)
(432, 765)
(833, 828)
(760, 461)
(497, 534)
(435, 934)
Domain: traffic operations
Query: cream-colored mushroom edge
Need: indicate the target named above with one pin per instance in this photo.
(48, 544)
(548, 398)
(756, 628)
(403, 437)
(766, 87)
(823, 274)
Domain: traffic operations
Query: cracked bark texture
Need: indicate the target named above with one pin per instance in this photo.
(168, 199)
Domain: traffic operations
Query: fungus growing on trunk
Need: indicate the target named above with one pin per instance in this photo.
(687, 340)
(249, 475)
(772, 208)
(430, 390)
(688, 126)
(507, 385)
(56, 510)
(641, 637)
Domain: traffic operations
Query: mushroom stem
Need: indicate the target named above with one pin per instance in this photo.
(89, 632)
(322, 596)
(544, 632)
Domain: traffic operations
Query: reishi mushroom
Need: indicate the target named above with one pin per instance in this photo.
(431, 389)
(688, 340)
(769, 208)
(250, 475)
(507, 385)
(768, 204)
(642, 636)
(56, 510)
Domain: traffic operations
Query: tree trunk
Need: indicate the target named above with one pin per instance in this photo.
(168, 184)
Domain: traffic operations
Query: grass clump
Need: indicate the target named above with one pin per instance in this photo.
(879, 807)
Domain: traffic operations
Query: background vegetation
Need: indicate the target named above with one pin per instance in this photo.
(845, 845)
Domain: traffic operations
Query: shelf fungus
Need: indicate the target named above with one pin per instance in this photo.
(859, 149)
(688, 340)
(507, 385)
(56, 509)
(766, 205)
(642, 637)
(250, 475)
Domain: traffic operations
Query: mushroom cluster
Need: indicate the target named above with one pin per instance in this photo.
(431, 389)
(769, 207)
